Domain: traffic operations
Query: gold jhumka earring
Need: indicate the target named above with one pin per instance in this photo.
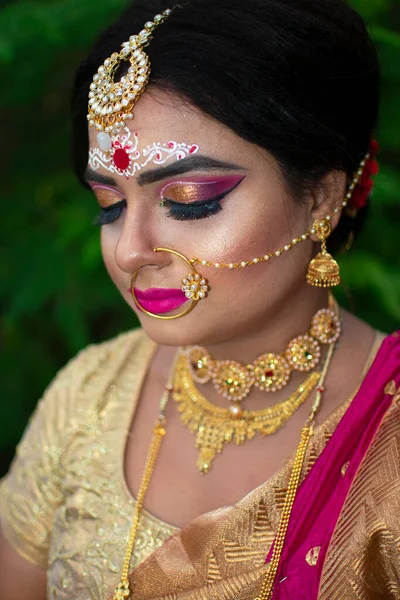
(323, 270)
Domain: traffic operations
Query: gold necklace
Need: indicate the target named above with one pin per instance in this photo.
(294, 481)
(123, 590)
(270, 371)
(215, 426)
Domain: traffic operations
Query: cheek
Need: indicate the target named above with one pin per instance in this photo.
(250, 226)
(109, 239)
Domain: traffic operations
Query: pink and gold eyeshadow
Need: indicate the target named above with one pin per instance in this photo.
(106, 196)
(199, 190)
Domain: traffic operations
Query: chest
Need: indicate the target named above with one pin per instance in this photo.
(179, 492)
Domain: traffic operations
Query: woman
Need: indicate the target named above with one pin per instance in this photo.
(220, 179)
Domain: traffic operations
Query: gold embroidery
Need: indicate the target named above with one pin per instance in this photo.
(390, 389)
(75, 488)
(344, 468)
(313, 555)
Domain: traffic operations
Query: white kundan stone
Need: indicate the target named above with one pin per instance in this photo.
(104, 141)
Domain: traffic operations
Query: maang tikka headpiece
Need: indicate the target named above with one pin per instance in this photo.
(111, 102)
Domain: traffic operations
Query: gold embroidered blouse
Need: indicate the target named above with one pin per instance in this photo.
(65, 506)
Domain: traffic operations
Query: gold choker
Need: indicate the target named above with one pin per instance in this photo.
(269, 372)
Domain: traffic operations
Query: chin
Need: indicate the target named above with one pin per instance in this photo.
(172, 333)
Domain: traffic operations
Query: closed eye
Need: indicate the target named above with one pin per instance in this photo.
(196, 210)
(110, 213)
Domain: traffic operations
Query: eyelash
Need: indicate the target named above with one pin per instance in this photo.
(193, 211)
(180, 212)
(109, 214)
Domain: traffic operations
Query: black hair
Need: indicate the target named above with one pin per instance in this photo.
(299, 78)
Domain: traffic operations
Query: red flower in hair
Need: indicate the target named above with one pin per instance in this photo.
(364, 188)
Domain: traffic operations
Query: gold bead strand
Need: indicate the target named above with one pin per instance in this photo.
(306, 434)
(266, 589)
(255, 261)
(123, 590)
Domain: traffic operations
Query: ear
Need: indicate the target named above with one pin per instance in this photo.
(327, 196)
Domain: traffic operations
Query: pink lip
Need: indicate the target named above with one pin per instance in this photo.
(160, 300)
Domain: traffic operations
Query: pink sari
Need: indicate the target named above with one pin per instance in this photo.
(317, 507)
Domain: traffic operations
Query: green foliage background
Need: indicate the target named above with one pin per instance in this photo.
(55, 295)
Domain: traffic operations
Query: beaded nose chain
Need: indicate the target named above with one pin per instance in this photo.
(323, 270)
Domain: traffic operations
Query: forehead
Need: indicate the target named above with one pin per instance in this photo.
(161, 116)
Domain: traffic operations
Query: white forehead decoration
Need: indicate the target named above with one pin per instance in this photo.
(111, 104)
(121, 154)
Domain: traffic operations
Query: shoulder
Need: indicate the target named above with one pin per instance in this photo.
(69, 414)
(69, 400)
(107, 355)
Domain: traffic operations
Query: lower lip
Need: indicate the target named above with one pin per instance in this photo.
(160, 306)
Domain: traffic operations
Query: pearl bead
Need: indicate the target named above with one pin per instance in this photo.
(231, 266)
(236, 410)
(243, 264)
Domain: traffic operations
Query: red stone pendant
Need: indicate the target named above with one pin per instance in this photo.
(121, 159)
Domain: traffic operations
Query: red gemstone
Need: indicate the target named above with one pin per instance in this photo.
(121, 159)
(269, 373)
(192, 149)
(171, 144)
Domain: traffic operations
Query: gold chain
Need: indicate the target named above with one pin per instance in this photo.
(306, 434)
(123, 590)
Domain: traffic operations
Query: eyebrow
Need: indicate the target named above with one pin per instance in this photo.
(192, 163)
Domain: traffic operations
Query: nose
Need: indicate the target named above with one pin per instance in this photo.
(136, 243)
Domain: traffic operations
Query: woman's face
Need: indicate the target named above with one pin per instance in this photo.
(253, 216)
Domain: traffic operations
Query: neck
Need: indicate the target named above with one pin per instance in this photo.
(285, 321)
